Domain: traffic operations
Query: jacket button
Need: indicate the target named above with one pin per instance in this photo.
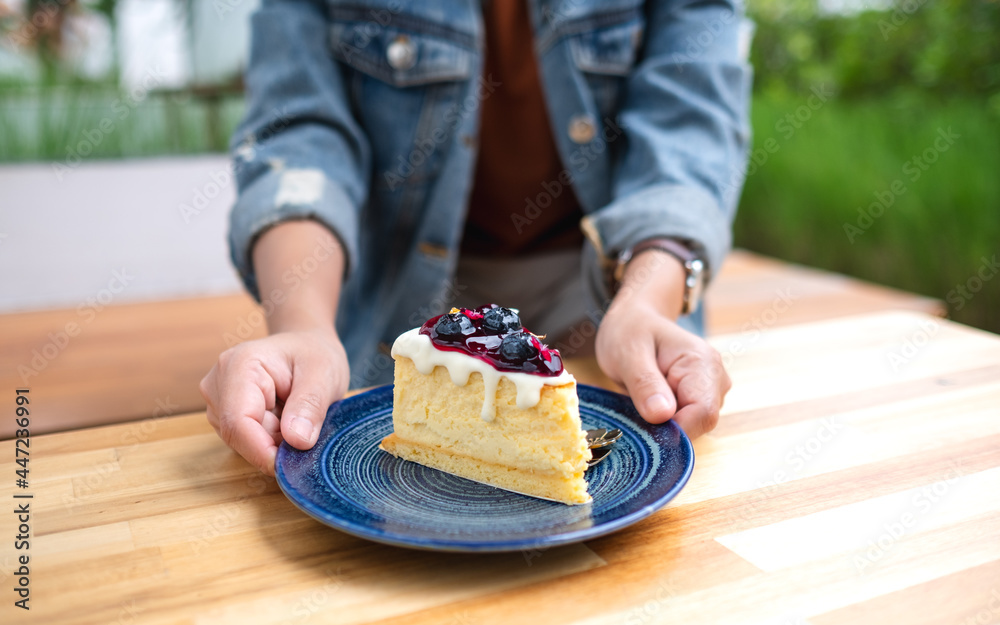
(401, 53)
(582, 129)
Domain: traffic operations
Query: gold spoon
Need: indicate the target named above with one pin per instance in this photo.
(600, 441)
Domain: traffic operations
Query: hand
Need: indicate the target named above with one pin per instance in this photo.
(275, 388)
(669, 372)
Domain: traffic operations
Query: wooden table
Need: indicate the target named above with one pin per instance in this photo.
(131, 361)
(854, 478)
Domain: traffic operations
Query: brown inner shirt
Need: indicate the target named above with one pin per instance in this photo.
(517, 153)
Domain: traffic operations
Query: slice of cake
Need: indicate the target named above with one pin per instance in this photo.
(478, 396)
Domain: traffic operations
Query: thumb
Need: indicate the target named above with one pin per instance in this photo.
(305, 409)
(648, 388)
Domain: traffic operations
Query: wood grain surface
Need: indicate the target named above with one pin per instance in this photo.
(134, 361)
(854, 478)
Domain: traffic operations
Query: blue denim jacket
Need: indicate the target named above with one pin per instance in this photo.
(363, 115)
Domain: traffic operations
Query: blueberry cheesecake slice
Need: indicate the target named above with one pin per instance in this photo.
(479, 396)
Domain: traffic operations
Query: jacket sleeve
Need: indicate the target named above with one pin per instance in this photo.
(684, 117)
(298, 153)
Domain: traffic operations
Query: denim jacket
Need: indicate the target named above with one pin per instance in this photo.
(363, 115)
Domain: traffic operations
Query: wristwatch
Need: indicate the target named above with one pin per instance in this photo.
(694, 267)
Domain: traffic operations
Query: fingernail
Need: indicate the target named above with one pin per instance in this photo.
(657, 404)
(302, 427)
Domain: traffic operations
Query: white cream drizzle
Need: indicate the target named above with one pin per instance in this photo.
(425, 356)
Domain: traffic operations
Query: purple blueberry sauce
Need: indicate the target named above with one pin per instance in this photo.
(493, 334)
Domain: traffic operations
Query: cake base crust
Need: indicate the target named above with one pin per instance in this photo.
(553, 487)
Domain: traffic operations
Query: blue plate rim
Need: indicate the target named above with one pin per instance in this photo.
(361, 530)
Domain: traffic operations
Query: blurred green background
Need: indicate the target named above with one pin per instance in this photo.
(877, 135)
(900, 78)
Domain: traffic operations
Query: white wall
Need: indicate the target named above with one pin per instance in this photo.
(62, 240)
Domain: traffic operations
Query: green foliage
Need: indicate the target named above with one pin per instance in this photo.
(940, 48)
(824, 195)
(61, 124)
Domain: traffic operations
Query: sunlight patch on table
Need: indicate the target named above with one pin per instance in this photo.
(762, 459)
(869, 531)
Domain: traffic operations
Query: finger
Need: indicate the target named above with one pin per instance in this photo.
(240, 424)
(699, 399)
(305, 408)
(272, 426)
(251, 440)
(207, 387)
(648, 387)
(244, 398)
(695, 420)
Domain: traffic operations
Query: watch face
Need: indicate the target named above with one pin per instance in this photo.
(695, 283)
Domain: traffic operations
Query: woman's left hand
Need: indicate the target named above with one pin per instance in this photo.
(669, 372)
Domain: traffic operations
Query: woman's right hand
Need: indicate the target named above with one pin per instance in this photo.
(275, 388)
(279, 388)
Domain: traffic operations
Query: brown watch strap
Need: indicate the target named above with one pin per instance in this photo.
(689, 258)
(673, 246)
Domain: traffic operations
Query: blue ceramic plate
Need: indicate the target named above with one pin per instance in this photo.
(348, 483)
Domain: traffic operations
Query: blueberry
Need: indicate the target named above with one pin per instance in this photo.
(454, 326)
(500, 321)
(517, 348)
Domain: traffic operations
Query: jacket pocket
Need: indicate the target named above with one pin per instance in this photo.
(605, 56)
(609, 50)
(409, 80)
(403, 53)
